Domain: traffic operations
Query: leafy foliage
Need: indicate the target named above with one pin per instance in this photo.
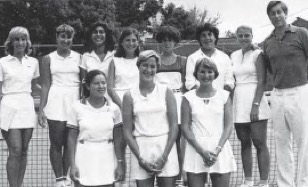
(186, 21)
(43, 16)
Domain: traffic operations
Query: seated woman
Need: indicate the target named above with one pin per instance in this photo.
(207, 124)
(150, 126)
(95, 143)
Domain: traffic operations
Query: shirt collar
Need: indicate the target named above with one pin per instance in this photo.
(290, 28)
(108, 55)
(11, 57)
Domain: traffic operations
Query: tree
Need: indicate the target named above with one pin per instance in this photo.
(43, 16)
(136, 12)
(186, 21)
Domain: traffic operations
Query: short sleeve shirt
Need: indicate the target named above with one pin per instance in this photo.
(90, 61)
(288, 57)
(16, 76)
(94, 123)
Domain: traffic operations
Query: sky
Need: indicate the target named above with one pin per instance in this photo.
(234, 13)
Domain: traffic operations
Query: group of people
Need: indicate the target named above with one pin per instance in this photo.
(175, 113)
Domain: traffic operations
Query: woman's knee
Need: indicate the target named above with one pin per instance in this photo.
(16, 151)
(259, 143)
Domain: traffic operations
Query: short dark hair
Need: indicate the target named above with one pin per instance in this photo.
(208, 63)
(120, 52)
(109, 39)
(272, 4)
(89, 78)
(207, 27)
(169, 32)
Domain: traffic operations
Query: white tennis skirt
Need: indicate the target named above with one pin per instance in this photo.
(243, 99)
(96, 162)
(193, 162)
(151, 149)
(17, 111)
(60, 101)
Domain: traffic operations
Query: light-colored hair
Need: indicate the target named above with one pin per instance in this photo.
(206, 63)
(244, 27)
(13, 34)
(145, 55)
(67, 29)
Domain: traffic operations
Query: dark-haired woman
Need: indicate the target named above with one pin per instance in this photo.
(123, 72)
(18, 73)
(60, 88)
(172, 72)
(99, 48)
(95, 141)
(207, 36)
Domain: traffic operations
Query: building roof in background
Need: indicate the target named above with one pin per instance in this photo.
(300, 22)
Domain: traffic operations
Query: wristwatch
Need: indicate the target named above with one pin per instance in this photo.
(256, 103)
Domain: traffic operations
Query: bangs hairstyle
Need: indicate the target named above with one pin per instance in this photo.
(207, 27)
(206, 63)
(244, 27)
(145, 55)
(67, 29)
(168, 32)
(89, 78)
(120, 52)
(109, 37)
(272, 4)
(17, 32)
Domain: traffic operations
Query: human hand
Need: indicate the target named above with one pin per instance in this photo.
(120, 171)
(74, 173)
(149, 167)
(42, 119)
(254, 114)
(209, 158)
(159, 164)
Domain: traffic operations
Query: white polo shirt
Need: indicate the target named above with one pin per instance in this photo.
(16, 76)
(90, 61)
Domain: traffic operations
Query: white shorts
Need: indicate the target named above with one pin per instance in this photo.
(17, 111)
(151, 148)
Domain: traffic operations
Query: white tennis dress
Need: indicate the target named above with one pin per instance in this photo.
(17, 106)
(151, 128)
(207, 125)
(126, 75)
(95, 155)
(65, 83)
(245, 73)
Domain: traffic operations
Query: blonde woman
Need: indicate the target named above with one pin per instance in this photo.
(60, 88)
(18, 73)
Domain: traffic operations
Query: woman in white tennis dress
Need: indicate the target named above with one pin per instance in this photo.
(123, 73)
(95, 142)
(251, 109)
(60, 88)
(207, 124)
(150, 126)
(18, 73)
